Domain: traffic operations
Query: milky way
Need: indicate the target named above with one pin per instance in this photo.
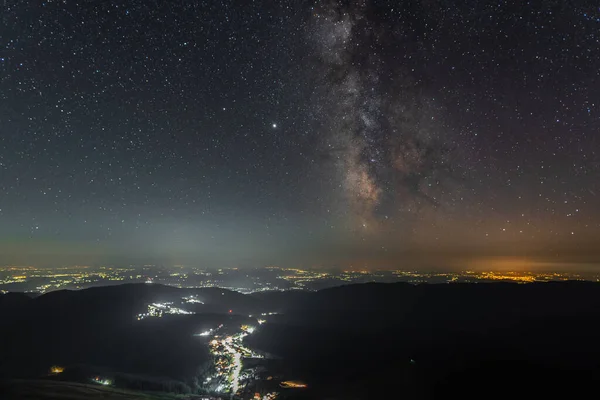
(381, 130)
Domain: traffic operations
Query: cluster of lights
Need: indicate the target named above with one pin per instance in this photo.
(77, 277)
(160, 309)
(58, 278)
(248, 329)
(300, 277)
(268, 396)
(193, 300)
(520, 277)
(55, 370)
(229, 352)
(102, 381)
(293, 385)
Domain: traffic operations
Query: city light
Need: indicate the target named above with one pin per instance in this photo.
(160, 309)
(55, 369)
(293, 385)
(229, 353)
(192, 299)
(42, 280)
(102, 381)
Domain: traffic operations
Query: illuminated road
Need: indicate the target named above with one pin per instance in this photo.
(236, 368)
(229, 352)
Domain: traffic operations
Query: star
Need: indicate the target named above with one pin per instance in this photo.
(396, 143)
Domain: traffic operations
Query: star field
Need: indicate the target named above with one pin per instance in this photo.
(225, 133)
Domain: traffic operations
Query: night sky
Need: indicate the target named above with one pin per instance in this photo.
(295, 133)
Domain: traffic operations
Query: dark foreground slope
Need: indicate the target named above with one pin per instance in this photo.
(353, 342)
(98, 327)
(435, 341)
(54, 390)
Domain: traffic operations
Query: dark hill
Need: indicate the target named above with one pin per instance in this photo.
(98, 326)
(468, 340)
(493, 340)
(13, 302)
(53, 390)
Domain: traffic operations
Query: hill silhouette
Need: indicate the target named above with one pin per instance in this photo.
(433, 341)
(98, 326)
(355, 341)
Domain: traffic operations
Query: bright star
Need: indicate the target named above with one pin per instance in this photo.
(274, 126)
